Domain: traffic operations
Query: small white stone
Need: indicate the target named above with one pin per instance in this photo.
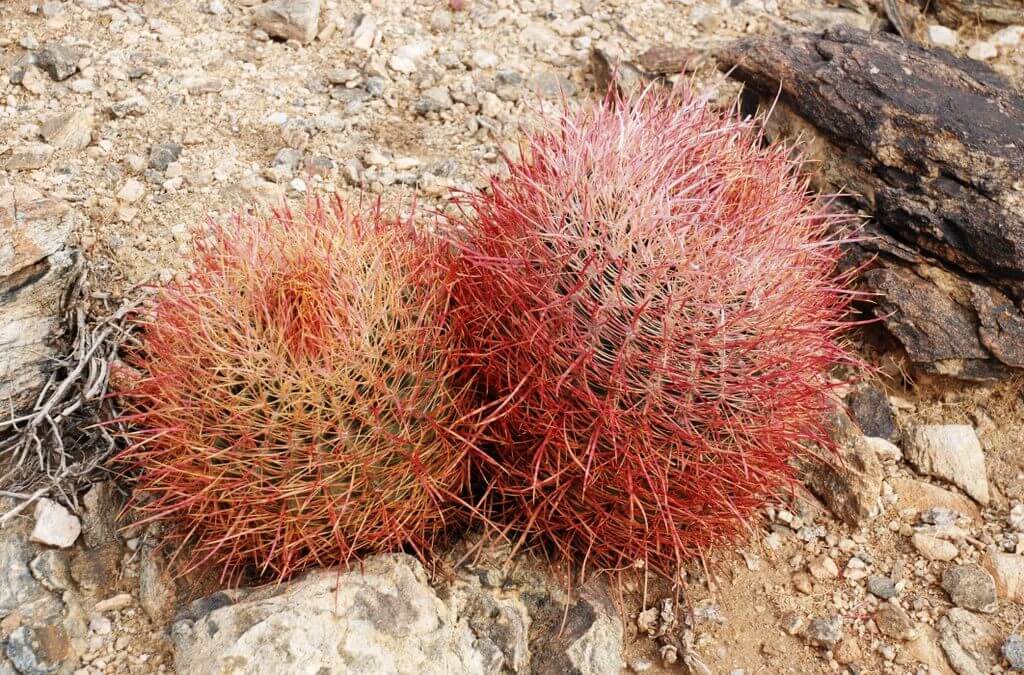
(934, 548)
(482, 58)
(1016, 518)
(1007, 37)
(883, 448)
(276, 118)
(131, 191)
(983, 51)
(951, 452)
(55, 525)
(83, 86)
(402, 64)
(940, 36)
(298, 185)
(100, 625)
(406, 163)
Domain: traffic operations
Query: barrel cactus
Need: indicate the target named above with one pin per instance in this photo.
(299, 403)
(650, 304)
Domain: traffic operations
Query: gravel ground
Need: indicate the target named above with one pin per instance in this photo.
(150, 118)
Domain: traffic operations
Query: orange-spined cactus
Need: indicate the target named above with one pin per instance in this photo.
(300, 404)
(650, 302)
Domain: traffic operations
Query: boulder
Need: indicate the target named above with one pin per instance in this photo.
(928, 144)
(382, 616)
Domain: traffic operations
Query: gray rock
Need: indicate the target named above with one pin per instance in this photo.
(434, 99)
(382, 617)
(162, 154)
(851, 487)
(157, 591)
(58, 61)
(34, 271)
(289, 19)
(969, 641)
(374, 86)
(379, 617)
(953, 453)
(70, 130)
(288, 158)
(17, 585)
(881, 587)
(50, 568)
(971, 587)
(871, 411)
(319, 165)
(99, 514)
(1013, 652)
(520, 616)
(38, 650)
(29, 157)
(549, 84)
(825, 632)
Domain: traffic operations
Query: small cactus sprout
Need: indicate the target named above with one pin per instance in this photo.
(650, 302)
(300, 404)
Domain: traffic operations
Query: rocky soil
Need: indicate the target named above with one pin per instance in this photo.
(137, 121)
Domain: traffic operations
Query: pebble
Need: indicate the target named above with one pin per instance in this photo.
(289, 19)
(131, 192)
(983, 51)
(1007, 37)
(1013, 652)
(825, 632)
(1007, 570)
(113, 603)
(100, 625)
(401, 64)
(162, 154)
(32, 80)
(883, 449)
(847, 651)
(55, 525)
(552, 85)
(58, 61)
(483, 59)
(953, 453)
(971, 587)
(823, 568)
(434, 99)
(1016, 518)
(870, 409)
(70, 130)
(793, 623)
(894, 622)
(940, 36)
(934, 548)
(881, 587)
(29, 157)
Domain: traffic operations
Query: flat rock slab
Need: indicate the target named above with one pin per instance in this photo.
(35, 267)
(382, 616)
(953, 453)
(933, 146)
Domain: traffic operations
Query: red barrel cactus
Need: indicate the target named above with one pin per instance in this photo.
(300, 403)
(650, 303)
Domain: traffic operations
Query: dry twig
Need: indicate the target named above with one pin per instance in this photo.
(60, 444)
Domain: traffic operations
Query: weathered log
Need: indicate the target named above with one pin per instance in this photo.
(957, 12)
(35, 265)
(933, 147)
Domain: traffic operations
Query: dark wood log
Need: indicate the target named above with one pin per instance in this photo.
(933, 147)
